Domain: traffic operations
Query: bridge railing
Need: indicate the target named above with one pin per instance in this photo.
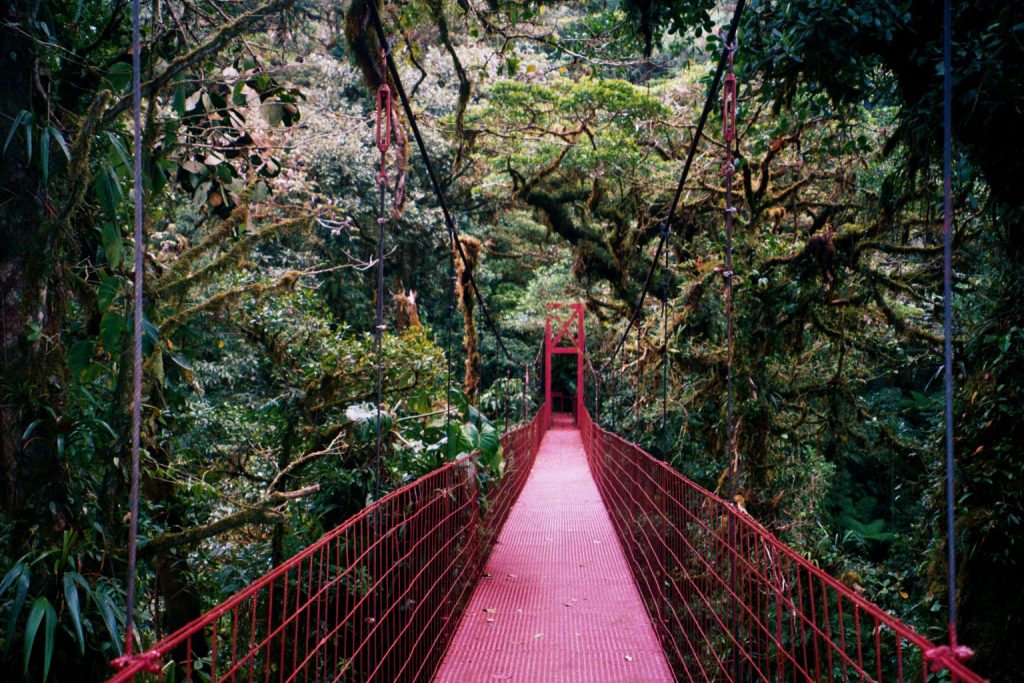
(729, 600)
(376, 599)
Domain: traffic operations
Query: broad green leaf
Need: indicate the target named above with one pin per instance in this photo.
(107, 291)
(79, 356)
(108, 428)
(120, 75)
(470, 437)
(105, 604)
(179, 100)
(489, 442)
(120, 150)
(225, 172)
(454, 438)
(112, 326)
(74, 608)
(113, 245)
(150, 335)
(272, 112)
(108, 190)
(237, 96)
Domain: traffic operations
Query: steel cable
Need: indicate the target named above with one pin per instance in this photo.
(435, 184)
(137, 310)
(947, 293)
(691, 153)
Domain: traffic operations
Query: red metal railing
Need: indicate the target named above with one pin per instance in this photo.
(376, 599)
(729, 600)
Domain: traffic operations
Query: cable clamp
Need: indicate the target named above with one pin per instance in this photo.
(939, 658)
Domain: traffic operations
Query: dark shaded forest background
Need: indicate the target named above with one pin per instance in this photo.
(559, 130)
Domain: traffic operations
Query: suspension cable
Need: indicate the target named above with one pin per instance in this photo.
(133, 504)
(448, 351)
(435, 184)
(947, 293)
(691, 153)
(729, 138)
(732, 453)
(383, 139)
(664, 335)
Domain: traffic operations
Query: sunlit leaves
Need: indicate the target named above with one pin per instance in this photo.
(219, 124)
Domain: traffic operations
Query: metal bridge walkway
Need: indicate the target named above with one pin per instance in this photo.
(557, 602)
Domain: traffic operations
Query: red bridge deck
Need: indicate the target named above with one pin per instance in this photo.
(558, 602)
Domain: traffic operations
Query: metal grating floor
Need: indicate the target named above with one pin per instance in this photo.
(557, 603)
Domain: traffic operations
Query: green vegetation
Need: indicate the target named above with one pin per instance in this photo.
(559, 131)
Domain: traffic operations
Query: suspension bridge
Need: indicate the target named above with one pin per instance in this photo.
(587, 560)
(590, 560)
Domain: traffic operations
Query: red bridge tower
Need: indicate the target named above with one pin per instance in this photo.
(569, 339)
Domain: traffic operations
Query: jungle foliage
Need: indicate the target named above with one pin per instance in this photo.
(559, 130)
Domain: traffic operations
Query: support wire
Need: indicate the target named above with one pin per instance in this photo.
(133, 505)
(691, 153)
(947, 293)
(435, 184)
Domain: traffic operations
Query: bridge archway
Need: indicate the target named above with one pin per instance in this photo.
(564, 335)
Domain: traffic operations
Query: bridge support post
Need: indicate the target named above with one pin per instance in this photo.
(581, 350)
(557, 331)
(547, 373)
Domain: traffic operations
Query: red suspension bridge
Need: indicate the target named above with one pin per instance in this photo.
(590, 560)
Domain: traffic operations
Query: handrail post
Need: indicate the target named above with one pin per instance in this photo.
(547, 373)
(580, 349)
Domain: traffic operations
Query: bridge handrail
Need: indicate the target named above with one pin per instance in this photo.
(467, 518)
(729, 599)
